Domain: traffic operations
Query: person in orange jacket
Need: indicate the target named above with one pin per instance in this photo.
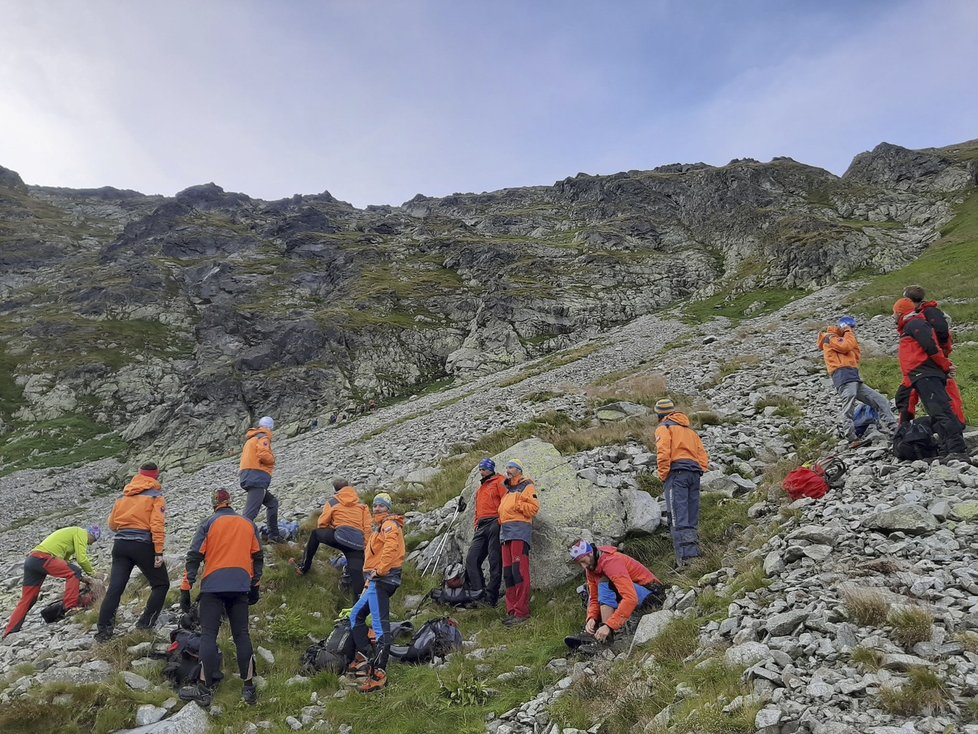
(485, 542)
(842, 355)
(385, 558)
(681, 460)
(139, 521)
(345, 525)
(228, 546)
(255, 475)
(516, 512)
(618, 586)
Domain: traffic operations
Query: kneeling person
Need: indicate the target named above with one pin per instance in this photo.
(618, 586)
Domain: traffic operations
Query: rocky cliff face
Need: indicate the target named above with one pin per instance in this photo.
(170, 323)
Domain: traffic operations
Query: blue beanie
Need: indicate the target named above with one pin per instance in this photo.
(95, 531)
(487, 464)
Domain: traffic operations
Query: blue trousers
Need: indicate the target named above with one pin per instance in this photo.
(682, 493)
(608, 598)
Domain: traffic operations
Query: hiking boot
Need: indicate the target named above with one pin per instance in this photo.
(515, 621)
(360, 667)
(860, 442)
(376, 682)
(963, 458)
(197, 692)
(249, 694)
(298, 569)
(103, 634)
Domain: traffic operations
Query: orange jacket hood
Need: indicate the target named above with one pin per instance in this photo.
(139, 484)
(344, 509)
(252, 432)
(140, 514)
(679, 418)
(348, 497)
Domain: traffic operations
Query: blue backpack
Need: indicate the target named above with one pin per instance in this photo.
(865, 417)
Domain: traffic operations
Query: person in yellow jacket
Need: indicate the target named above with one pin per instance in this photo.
(51, 558)
(517, 509)
(139, 521)
(842, 355)
(382, 569)
(255, 475)
(681, 460)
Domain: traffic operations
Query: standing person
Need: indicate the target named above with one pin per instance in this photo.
(618, 586)
(345, 525)
(681, 460)
(842, 354)
(139, 521)
(50, 558)
(517, 508)
(255, 475)
(927, 369)
(907, 398)
(485, 542)
(228, 546)
(385, 557)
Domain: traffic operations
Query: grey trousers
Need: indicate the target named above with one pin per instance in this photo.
(853, 392)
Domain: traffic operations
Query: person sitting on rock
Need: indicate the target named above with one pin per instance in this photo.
(517, 509)
(681, 461)
(618, 588)
(485, 541)
(255, 475)
(927, 369)
(50, 558)
(228, 546)
(139, 521)
(345, 525)
(906, 397)
(385, 557)
(842, 354)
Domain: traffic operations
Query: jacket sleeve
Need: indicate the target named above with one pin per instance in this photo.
(923, 334)
(113, 523)
(701, 455)
(81, 551)
(629, 599)
(257, 559)
(528, 503)
(593, 605)
(157, 524)
(663, 451)
(391, 534)
(366, 523)
(263, 450)
(325, 515)
(195, 556)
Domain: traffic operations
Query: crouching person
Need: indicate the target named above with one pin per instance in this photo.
(618, 588)
(382, 573)
(228, 546)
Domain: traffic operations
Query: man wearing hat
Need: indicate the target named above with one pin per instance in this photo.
(681, 460)
(485, 541)
(50, 558)
(618, 586)
(255, 475)
(382, 569)
(228, 546)
(517, 509)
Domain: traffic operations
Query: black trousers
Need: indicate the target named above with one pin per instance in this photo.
(127, 554)
(354, 558)
(213, 607)
(485, 544)
(933, 394)
(375, 601)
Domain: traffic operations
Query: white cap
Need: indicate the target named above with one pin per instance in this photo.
(267, 422)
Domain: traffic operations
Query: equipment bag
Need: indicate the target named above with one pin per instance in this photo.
(453, 592)
(55, 611)
(183, 658)
(436, 638)
(804, 482)
(833, 469)
(915, 440)
(864, 417)
(332, 654)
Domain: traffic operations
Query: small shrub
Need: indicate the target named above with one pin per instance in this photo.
(288, 626)
(867, 658)
(923, 694)
(540, 396)
(786, 408)
(866, 607)
(643, 389)
(911, 625)
(969, 641)
(650, 482)
(465, 691)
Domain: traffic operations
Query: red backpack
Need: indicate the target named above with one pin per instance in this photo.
(815, 481)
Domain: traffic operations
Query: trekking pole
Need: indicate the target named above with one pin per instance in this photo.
(431, 565)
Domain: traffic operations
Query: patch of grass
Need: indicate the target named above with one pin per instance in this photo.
(541, 396)
(810, 444)
(643, 389)
(785, 407)
(70, 439)
(734, 307)
(650, 482)
(969, 641)
(925, 693)
(606, 434)
(911, 625)
(867, 658)
(552, 362)
(866, 607)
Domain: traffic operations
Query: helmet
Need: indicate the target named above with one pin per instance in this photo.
(487, 464)
(579, 549)
(95, 531)
(847, 322)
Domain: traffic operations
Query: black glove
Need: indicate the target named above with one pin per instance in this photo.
(254, 594)
(461, 504)
(184, 601)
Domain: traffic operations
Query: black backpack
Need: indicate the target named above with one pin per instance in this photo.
(183, 658)
(332, 654)
(915, 440)
(453, 592)
(55, 611)
(436, 638)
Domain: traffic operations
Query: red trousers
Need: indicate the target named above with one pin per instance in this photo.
(516, 574)
(36, 568)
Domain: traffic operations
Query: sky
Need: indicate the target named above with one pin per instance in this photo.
(378, 101)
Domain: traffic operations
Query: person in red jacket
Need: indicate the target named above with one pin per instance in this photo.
(228, 546)
(517, 509)
(926, 368)
(485, 543)
(906, 397)
(618, 586)
(139, 521)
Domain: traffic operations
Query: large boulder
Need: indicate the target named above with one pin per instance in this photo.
(571, 508)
